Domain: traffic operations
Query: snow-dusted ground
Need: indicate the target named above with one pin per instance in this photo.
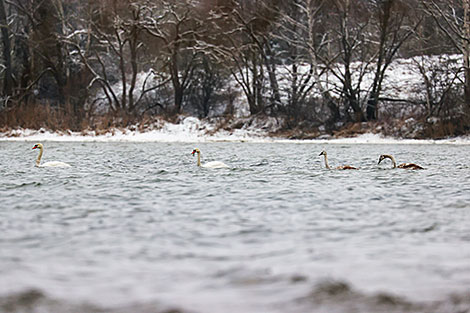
(190, 129)
(194, 130)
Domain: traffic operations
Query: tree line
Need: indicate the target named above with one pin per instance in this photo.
(311, 62)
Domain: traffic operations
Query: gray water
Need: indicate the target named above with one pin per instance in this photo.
(138, 227)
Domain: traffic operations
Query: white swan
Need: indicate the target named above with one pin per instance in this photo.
(214, 164)
(344, 167)
(409, 166)
(47, 164)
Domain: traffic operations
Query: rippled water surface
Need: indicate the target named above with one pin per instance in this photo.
(138, 227)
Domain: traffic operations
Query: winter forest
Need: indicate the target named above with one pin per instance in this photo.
(317, 66)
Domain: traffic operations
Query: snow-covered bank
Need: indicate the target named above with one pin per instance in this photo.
(378, 139)
(189, 130)
(194, 130)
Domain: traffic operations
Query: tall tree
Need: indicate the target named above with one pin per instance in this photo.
(246, 48)
(176, 26)
(455, 24)
(111, 48)
(8, 78)
(393, 31)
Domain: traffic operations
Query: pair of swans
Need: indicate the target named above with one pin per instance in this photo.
(47, 164)
(214, 164)
(410, 166)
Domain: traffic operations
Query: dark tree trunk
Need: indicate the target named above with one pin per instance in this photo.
(371, 110)
(466, 50)
(8, 79)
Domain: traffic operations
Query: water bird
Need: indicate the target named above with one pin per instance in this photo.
(47, 164)
(213, 164)
(344, 167)
(410, 166)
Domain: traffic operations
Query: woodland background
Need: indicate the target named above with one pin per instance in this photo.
(87, 64)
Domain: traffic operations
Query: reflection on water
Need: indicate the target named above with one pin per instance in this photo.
(138, 227)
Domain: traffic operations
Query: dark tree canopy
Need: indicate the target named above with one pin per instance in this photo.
(314, 63)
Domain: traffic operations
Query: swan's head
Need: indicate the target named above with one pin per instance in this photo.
(382, 157)
(322, 153)
(195, 151)
(37, 146)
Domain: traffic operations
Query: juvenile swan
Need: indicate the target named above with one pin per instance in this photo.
(410, 166)
(214, 164)
(344, 167)
(47, 164)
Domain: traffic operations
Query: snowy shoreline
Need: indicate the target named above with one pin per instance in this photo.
(194, 130)
(159, 136)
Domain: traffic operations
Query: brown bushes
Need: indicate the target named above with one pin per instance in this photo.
(62, 118)
(53, 117)
(447, 127)
(37, 116)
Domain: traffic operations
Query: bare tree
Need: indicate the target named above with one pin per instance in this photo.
(392, 32)
(176, 26)
(348, 39)
(8, 78)
(318, 45)
(289, 54)
(453, 19)
(111, 47)
(439, 76)
(206, 89)
(243, 46)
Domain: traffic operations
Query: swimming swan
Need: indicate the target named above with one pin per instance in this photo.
(214, 164)
(410, 166)
(344, 167)
(47, 164)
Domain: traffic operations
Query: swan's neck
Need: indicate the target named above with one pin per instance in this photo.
(326, 162)
(38, 160)
(393, 160)
(199, 159)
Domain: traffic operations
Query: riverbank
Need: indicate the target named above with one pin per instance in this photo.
(191, 129)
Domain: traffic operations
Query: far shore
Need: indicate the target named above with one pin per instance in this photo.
(188, 136)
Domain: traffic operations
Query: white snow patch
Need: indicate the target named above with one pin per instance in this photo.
(192, 129)
(370, 138)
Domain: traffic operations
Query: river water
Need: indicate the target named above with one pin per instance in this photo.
(138, 227)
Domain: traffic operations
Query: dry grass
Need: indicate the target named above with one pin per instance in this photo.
(66, 117)
(447, 127)
(36, 116)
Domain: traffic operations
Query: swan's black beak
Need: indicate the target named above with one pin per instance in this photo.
(194, 152)
(35, 147)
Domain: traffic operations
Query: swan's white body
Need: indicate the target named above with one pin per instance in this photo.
(54, 164)
(213, 164)
(47, 164)
(343, 167)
